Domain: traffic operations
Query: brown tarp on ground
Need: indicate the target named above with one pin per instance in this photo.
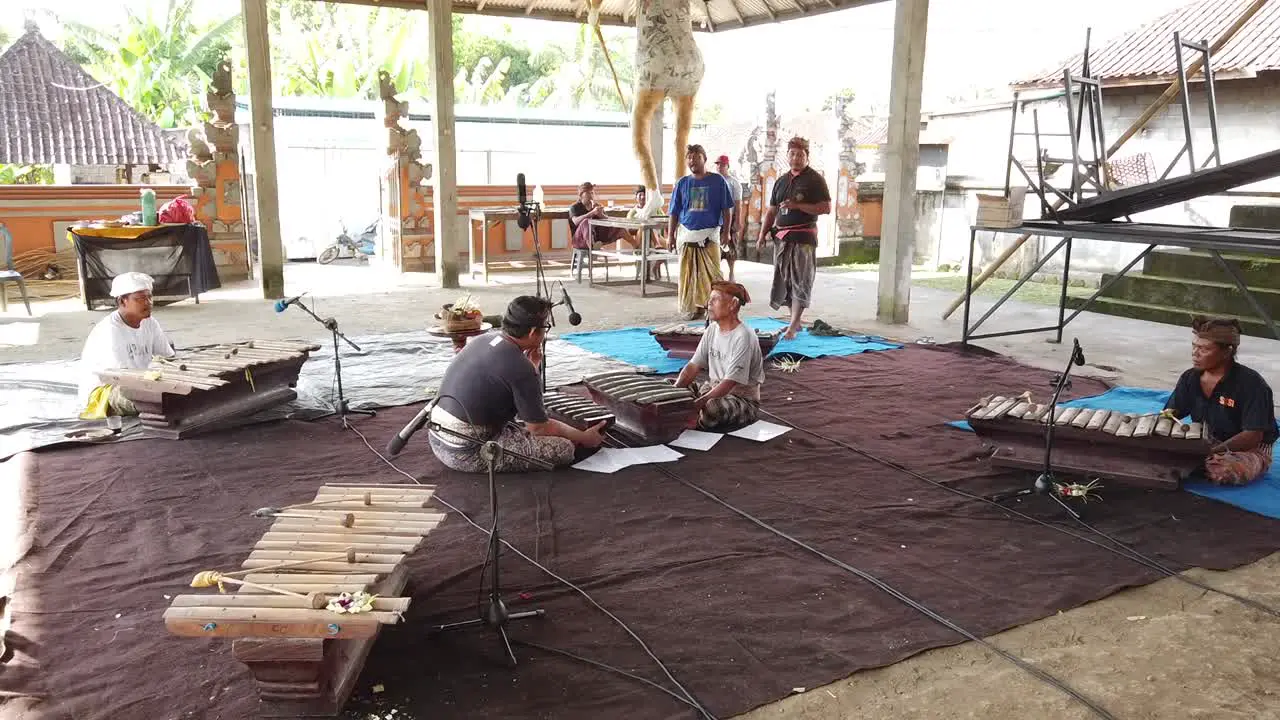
(740, 616)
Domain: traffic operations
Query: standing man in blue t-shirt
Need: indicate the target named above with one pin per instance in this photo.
(701, 206)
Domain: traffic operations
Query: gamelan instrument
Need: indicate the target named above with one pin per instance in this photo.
(650, 409)
(1149, 450)
(309, 601)
(576, 410)
(180, 395)
(681, 340)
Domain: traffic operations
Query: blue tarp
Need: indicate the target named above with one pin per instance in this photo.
(637, 346)
(1262, 496)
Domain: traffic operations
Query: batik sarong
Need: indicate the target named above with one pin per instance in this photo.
(725, 414)
(699, 268)
(794, 269)
(1238, 467)
(464, 455)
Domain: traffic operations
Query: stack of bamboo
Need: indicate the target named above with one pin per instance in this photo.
(33, 263)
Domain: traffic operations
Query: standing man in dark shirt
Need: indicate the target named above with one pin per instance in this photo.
(798, 198)
(1234, 403)
(493, 381)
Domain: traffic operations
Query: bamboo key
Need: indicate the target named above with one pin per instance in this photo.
(209, 578)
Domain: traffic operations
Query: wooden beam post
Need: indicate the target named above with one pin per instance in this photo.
(262, 134)
(445, 174)
(902, 160)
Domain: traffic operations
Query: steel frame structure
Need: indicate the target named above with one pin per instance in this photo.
(1212, 240)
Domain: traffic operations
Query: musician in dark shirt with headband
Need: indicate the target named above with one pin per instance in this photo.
(494, 381)
(1233, 401)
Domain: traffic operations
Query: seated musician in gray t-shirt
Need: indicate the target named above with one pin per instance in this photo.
(730, 352)
(493, 381)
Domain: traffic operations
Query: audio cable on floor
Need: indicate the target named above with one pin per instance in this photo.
(1120, 548)
(687, 697)
(888, 589)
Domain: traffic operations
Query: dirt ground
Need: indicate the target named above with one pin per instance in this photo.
(1167, 650)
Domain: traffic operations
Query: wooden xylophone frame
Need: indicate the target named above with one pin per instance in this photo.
(305, 661)
(197, 390)
(1143, 450)
(681, 340)
(649, 409)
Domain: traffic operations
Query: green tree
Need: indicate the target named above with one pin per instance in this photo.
(159, 65)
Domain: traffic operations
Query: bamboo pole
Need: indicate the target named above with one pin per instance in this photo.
(1167, 97)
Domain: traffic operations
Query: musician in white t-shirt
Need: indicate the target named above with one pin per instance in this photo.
(127, 338)
(730, 353)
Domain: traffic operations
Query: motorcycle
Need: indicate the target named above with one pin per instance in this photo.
(346, 247)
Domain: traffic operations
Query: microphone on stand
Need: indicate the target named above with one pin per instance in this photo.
(1079, 354)
(398, 442)
(574, 317)
(522, 196)
(281, 305)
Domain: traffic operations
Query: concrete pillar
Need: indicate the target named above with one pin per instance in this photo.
(902, 158)
(262, 134)
(447, 238)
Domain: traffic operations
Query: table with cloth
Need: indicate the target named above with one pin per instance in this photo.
(177, 255)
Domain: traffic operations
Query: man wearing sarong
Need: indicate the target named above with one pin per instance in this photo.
(701, 217)
(493, 381)
(127, 338)
(730, 352)
(798, 198)
(585, 236)
(1234, 403)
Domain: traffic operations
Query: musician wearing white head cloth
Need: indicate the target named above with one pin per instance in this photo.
(127, 338)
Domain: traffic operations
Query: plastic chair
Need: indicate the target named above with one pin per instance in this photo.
(8, 274)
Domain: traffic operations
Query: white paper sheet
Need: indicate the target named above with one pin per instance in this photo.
(696, 440)
(652, 454)
(606, 460)
(761, 431)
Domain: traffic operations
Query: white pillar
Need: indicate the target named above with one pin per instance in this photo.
(902, 158)
(262, 133)
(445, 174)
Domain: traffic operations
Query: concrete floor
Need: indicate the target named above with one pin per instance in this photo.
(1161, 651)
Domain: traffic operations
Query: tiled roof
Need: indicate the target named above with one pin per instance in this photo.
(1147, 54)
(53, 112)
(871, 130)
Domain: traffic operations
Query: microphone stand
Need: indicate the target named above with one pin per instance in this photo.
(495, 615)
(1046, 483)
(332, 325)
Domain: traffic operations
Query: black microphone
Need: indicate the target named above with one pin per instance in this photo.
(522, 196)
(574, 317)
(282, 304)
(1079, 354)
(398, 442)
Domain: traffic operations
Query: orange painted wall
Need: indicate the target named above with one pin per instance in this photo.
(30, 211)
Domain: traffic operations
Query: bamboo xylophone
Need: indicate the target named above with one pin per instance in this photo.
(178, 396)
(305, 657)
(681, 340)
(1147, 450)
(648, 408)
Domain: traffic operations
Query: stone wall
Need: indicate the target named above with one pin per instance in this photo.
(214, 169)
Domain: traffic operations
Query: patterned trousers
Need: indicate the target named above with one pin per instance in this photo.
(725, 414)
(458, 454)
(1238, 467)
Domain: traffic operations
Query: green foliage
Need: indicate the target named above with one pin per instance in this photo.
(26, 175)
(847, 94)
(159, 65)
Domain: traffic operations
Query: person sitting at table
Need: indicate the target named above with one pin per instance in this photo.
(657, 238)
(585, 236)
(491, 383)
(1233, 401)
(730, 351)
(127, 338)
